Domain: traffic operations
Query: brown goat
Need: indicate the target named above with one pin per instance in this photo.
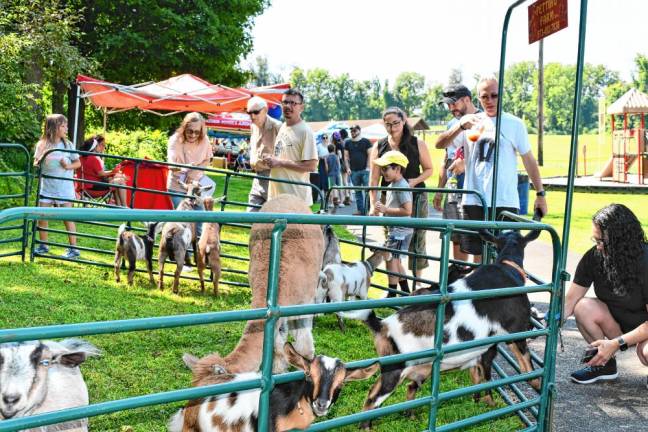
(293, 405)
(209, 250)
(133, 247)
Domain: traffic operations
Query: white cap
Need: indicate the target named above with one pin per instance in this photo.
(256, 103)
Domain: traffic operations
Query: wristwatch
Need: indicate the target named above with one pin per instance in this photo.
(622, 343)
(541, 193)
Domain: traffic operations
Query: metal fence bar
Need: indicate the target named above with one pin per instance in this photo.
(26, 175)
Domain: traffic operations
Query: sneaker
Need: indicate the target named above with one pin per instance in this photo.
(71, 253)
(41, 249)
(591, 374)
(341, 205)
(347, 201)
(187, 269)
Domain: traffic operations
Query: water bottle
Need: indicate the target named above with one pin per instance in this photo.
(453, 197)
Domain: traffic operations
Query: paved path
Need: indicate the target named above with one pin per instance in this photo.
(610, 406)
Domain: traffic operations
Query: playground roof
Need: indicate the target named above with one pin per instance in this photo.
(632, 102)
(177, 94)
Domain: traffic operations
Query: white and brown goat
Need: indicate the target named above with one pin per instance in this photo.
(133, 248)
(340, 282)
(209, 250)
(178, 237)
(412, 328)
(38, 377)
(293, 405)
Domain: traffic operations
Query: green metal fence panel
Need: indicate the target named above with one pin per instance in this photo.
(24, 181)
(273, 312)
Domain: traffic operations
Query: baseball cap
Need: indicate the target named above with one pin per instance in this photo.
(392, 157)
(453, 93)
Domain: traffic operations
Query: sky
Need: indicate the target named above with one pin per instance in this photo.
(379, 38)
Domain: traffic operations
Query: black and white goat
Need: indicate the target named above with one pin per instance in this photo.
(331, 247)
(38, 377)
(411, 329)
(178, 237)
(340, 282)
(293, 405)
(133, 247)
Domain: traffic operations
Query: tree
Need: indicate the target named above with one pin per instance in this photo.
(520, 91)
(456, 77)
(261, 75)
(641, 79)
(409, 91)
(432, 109)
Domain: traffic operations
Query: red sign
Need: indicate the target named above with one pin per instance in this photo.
(546, 17)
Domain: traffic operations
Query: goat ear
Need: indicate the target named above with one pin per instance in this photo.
(70, 360)
(361, 373)
(531, 235)
(487, 236)
(296, 359)
(323, 279)
(189, 360)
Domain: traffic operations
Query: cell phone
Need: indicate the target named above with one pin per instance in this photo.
(589, 354)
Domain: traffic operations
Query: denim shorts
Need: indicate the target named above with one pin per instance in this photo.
(399, 242)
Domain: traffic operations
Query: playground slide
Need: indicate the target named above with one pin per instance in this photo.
(607, 169)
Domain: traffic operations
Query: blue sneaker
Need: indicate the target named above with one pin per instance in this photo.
(71, 253)
(41, 249)
(592, 374)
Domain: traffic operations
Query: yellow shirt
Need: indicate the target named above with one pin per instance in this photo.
(295, 143)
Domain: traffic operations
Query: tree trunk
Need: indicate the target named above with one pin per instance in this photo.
(58, 97)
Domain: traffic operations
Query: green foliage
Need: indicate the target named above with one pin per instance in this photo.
(641, 78)
(409, 91)
(432, 109)
(146, 143)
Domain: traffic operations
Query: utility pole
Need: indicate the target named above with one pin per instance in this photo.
(540, 102)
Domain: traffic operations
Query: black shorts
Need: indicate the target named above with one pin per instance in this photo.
(471, 243)
(98, 187)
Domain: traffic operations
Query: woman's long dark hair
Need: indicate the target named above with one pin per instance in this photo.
(623, 246)
(407, 130)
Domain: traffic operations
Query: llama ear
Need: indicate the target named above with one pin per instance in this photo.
(296, 359)
(189, 360)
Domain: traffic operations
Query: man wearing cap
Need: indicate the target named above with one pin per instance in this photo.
(264, 133)
(479, 146)
(458, 99)
(398, 204)
(356, 154)
(295, 154)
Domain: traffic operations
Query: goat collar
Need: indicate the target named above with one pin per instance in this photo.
(369, 266)
(519, 269)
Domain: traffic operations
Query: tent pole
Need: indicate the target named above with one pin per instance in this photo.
(105, 119)
(76, 115)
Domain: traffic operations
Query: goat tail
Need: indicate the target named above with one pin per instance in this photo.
(367, 315)
(177, 421)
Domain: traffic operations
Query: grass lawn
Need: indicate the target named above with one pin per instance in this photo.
(52, 292)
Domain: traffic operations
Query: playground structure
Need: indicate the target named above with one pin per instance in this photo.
(629, 161)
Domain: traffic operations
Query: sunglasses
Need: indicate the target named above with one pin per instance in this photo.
(255, 112)
(192, 132)
(487, 96)
(391, 125)
(290, 103)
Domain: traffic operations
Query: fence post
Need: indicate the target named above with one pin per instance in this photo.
(269, 326)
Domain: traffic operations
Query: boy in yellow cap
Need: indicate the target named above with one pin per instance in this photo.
(398, 203)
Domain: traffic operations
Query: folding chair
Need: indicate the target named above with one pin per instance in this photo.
(93, 197)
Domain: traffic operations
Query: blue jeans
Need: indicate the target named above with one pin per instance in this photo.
(360, 178)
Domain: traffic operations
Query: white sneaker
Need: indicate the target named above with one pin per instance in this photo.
(187, 269)
(341, 205)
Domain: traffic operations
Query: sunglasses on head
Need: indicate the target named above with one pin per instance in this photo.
(254, 112)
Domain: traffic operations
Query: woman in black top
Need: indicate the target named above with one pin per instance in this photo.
(617, 266)
(419, 169)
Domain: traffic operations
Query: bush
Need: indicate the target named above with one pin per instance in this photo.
(145, 144)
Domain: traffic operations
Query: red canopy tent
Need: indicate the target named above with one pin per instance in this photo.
(177, 94)
(235, 123)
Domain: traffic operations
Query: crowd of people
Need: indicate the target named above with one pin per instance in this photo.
(285, 154)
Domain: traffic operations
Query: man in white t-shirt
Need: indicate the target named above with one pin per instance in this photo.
(295, 154)
(479, 155)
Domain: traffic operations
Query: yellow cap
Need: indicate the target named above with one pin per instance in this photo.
(392, 157)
